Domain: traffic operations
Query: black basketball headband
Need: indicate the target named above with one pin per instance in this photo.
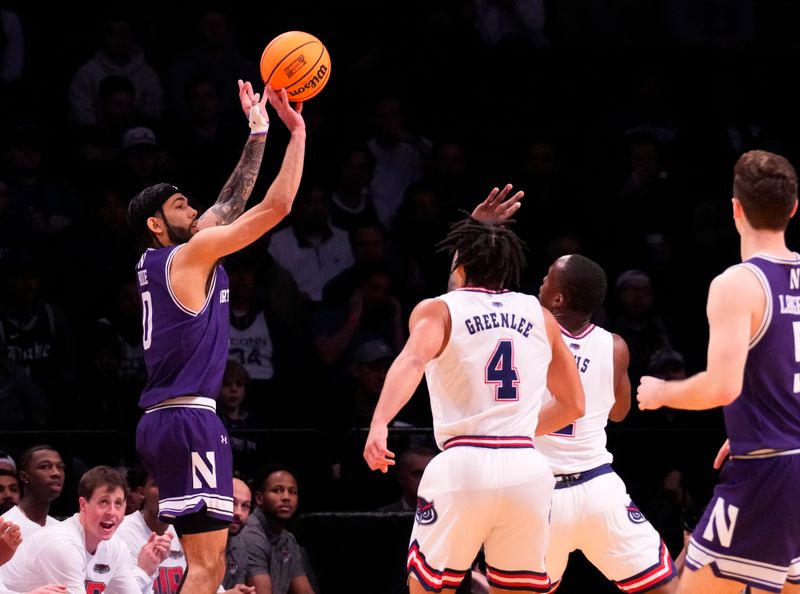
(147, 202)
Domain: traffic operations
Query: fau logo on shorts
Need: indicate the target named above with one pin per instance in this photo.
(426, 514)
(634, 515)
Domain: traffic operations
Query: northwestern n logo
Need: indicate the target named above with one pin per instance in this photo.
(723, 525)
(206, 471)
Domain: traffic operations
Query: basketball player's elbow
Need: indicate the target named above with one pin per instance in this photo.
(725, 390)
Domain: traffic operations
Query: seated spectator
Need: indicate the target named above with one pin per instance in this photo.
(236, 550)
(276, 563)
(411, 464)
(80, 552)
(137, 478)
(250, 340)
(9, 490)
(310, 248)
(369, 243)
(236, 416)
(351, 203)
(10, 539)
(22, 402)
(137, 529)
(36, 334)
(637, 320)
(41, 472)
(372, 312)
(117, 53)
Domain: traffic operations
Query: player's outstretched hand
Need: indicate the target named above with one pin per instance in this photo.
(248, 98)
(289, 115)
(154, 551)
(376, 453)
(10, 539)
(495, 208)
(723, 454)
(648, 393)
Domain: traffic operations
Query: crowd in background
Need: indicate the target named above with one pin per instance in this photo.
(620, 121)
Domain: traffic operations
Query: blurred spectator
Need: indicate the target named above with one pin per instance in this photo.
(22, 403)
(237, 416)
(206, 143)
(506, 23)
(40, 203)
(117, 53)
(41, 472)
(452, 176)
(401, 156)
(35, 334)
(236, 550)
(136, 477)
(665, 510)
(637, 321)
(411, 464)
(310, 248)
(9, 490)
(97, 145)
(351, 201)
(121, 329)
(274, 556)
(250, 341)
(369, 243)
(418, 228)
(142, 161)
(12, 48)
(213, 53)
(372, 312)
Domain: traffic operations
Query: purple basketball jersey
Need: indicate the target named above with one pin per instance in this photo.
(767, 412)
(184, 351)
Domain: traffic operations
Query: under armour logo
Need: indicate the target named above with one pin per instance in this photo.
(223, 439)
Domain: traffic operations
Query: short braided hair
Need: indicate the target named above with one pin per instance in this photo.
(492, 255)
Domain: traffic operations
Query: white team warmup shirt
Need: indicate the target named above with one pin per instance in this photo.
(135, 533)
(26, 526)
(582, 445)
(491, 377)
(58, 555)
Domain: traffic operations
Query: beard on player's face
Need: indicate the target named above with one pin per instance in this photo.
(178, 233)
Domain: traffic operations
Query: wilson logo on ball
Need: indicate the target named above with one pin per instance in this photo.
(298, 62)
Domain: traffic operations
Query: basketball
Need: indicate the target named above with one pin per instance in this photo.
(298, 62)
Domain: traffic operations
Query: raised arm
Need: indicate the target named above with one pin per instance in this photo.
(568, 402)
(212, 243)
(736, 303)
(429, 327)
(236, 191)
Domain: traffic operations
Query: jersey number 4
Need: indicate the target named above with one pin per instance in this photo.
(501, 372)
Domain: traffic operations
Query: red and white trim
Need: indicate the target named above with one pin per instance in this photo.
(580, 335)
(652, 577)
(433, 580)
(524, 581)
(481, 441)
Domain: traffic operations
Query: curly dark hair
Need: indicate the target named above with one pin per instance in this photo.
(492, 255)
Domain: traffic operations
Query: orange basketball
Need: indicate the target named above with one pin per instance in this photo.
(298, 62)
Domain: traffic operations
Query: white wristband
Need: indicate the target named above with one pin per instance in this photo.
(258, 123)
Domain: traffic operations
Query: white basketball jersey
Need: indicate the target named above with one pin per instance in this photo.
(134, 532)
(58, 555)
(492, 374)
(582, 445)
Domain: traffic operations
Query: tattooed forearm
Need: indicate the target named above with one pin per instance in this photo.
(233, 197)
